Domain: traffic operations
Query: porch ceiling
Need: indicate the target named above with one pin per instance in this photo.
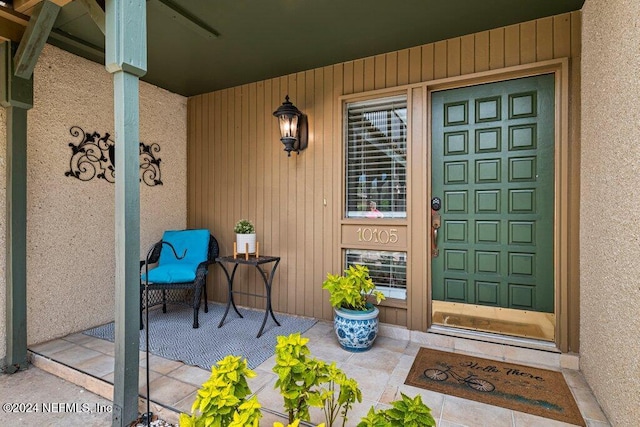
(261, 39)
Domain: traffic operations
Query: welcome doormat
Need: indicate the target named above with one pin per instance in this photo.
(521, 388)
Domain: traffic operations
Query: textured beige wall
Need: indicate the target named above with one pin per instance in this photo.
(70, 223)
(610, 211)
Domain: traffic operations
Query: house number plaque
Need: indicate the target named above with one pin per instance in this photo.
(391, 237)
(377, 235)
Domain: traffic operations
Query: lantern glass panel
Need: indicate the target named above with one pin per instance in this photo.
(288, 126)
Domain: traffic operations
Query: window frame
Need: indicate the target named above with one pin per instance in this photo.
(347, 233)
(381, 98)
(394, 292)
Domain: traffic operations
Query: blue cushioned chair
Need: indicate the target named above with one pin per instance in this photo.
(183, 258)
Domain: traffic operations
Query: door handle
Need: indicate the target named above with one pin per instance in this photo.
(435, 225)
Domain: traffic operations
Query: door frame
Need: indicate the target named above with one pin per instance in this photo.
(416, 311)
(564, 215)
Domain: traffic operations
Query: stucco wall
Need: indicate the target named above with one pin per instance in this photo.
(610, 211)
(70, 223)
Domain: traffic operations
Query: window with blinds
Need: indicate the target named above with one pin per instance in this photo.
(376, 156)
(388, 270)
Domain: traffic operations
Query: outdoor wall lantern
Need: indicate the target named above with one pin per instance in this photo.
(293, 127)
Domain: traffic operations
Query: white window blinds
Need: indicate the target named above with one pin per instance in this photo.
(388, 270)
(376, 156)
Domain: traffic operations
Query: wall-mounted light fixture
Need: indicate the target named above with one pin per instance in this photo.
(293, 127)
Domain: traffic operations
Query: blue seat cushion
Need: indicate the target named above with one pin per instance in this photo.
(172, 273)
(193, 244)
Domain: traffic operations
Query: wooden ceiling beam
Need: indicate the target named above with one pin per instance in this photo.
(95, 12)
(10, 30)
(26, 6)
(61, 3)
(13, 16)
(34, 38)
(23, 6)
(12, 24)
(90, 51)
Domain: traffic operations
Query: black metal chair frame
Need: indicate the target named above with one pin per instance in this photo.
(197, 285)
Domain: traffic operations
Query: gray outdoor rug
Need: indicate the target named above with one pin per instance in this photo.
(172, 337)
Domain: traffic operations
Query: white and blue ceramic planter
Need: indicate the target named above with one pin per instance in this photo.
(356, 330)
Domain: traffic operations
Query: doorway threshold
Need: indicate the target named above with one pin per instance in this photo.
(524, 324)
(492, 338)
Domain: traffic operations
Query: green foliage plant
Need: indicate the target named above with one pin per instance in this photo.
(222, 400)
(295, 423)
(332, 381)
(305, 381)
(405, 412)
(352, 289)
(244, 226)
(295, 379)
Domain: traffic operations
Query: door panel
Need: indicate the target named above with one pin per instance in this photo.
(493, 168)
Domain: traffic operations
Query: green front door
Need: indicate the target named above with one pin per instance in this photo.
(493, 169)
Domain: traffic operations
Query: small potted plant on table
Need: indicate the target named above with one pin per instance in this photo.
(356, 319)
(245, 236)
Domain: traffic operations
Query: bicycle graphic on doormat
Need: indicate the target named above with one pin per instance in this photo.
(471, 380)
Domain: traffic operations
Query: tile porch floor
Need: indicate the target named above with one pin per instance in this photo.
(380, 372)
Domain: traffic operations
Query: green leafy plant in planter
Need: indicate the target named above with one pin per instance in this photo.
(245, 236)
(222, 399)
(244, 226)
(405, 412)
(356, 319)
(352, 289)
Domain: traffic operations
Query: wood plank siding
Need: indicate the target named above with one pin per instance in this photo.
(237, 168)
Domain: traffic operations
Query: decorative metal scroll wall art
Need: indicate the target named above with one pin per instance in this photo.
(93, 156)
